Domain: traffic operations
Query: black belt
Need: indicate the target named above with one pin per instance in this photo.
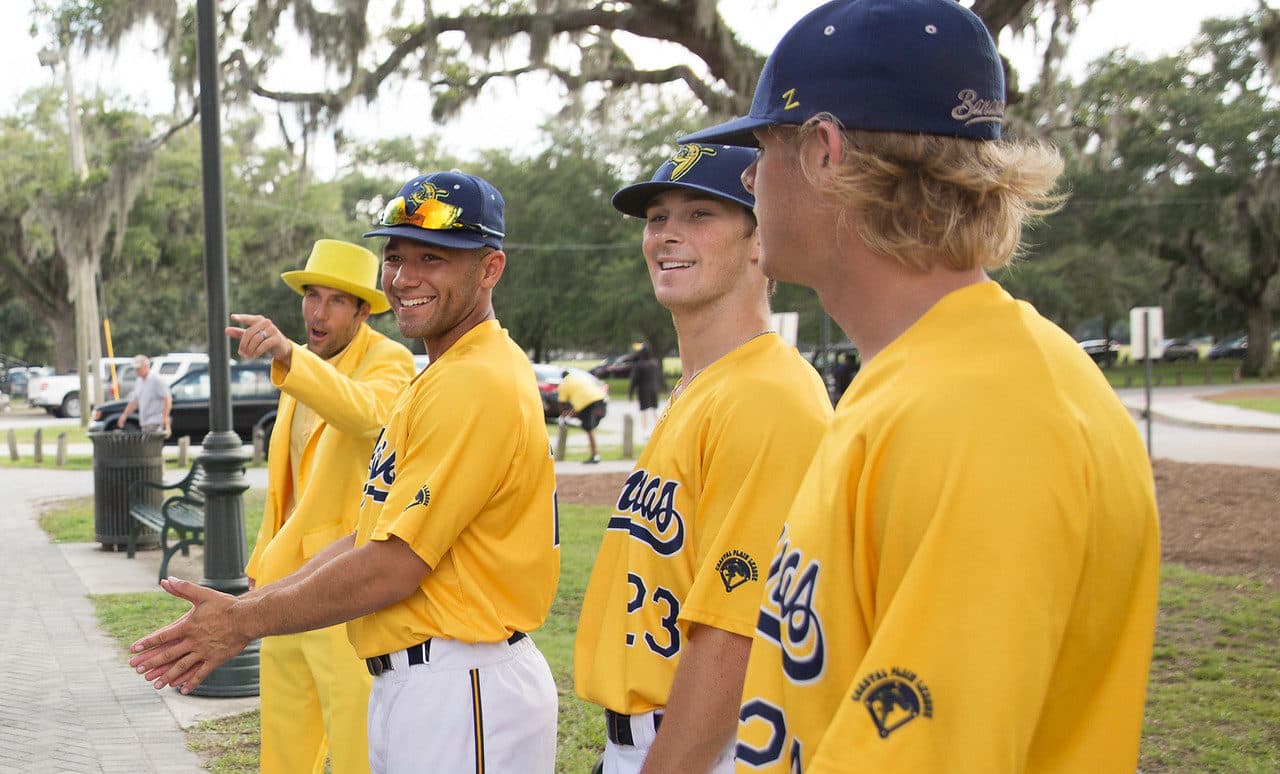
(418, 654)
(618, 727)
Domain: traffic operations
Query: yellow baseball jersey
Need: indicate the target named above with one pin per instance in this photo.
(579, 390)
(696, 521)
(463, 474)
(967, 580)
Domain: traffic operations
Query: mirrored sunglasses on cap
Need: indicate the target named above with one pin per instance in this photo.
(431, 214)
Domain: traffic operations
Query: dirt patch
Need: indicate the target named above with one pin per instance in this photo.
(1221, 519)
(1244, 393)
(590, 488)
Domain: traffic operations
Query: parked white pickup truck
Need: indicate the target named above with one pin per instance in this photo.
(174, 366)
(60, 394)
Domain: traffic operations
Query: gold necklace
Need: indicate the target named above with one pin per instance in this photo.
(683, 384)
(680, 385)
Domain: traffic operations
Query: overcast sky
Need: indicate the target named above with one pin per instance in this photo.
(1148, 27)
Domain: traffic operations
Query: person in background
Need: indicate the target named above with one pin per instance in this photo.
(151, 399)
(845, 368)
(586, 399)
(646, 383)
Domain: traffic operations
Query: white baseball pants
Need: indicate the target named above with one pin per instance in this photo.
(486, 708)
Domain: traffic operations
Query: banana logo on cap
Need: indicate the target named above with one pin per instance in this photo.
(686, 157)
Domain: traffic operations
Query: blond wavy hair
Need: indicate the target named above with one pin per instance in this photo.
(919, 196)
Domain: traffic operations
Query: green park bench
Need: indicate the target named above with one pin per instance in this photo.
(181, 513)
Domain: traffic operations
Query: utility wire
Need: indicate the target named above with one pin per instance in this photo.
(332, 223)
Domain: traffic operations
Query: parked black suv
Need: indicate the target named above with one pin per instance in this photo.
(616, 366)
(1230, 349)
(253, 404)
(1179, 349)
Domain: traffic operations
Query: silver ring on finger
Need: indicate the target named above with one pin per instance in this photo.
(263, 334)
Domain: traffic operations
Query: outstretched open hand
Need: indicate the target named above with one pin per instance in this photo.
(187, 650)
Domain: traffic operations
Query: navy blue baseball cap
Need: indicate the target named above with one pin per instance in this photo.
(922, 66)
(446, 209)
(713, 169)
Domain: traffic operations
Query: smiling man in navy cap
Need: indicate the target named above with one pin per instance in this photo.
(967, 579)
(668, 614)
(455, 555)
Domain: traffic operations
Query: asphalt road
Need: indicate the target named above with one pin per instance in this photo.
(1186, 442)
(1228, 447)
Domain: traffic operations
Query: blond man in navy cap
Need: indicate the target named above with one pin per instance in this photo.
(671, 606)
(967, 579)
(336, 392)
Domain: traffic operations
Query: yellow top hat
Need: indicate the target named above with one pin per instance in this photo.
(342, 266)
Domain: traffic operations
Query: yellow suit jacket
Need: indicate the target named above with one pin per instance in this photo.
(352, 396)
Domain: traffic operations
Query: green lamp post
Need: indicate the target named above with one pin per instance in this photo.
(222, 455)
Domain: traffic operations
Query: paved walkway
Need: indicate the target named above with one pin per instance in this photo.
(1184, 406)
(69, 701)
(1188, 429)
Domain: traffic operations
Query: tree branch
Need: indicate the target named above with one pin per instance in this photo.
(727, 59)
(155, 142)
(998, 14)
(1192, 253)
(724, 80)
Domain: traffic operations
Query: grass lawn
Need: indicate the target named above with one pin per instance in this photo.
(1270, 405)
(49, 435)
(229, 745)
(75, 434)
(1174, 374)
(71, 520)
(1214, 700)
(85, 461)
(50, 460)
(1212, 703)
(607, 451)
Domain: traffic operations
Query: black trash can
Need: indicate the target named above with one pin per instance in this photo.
(119, 459)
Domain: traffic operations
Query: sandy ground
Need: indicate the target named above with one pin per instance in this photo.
(1244, 393)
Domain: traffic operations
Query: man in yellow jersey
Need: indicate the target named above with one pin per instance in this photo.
(456, 552)
(586, 399)
(673, 599)
(967, 580)
(336, 392)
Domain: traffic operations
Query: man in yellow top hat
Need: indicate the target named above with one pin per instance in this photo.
(336, 391)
